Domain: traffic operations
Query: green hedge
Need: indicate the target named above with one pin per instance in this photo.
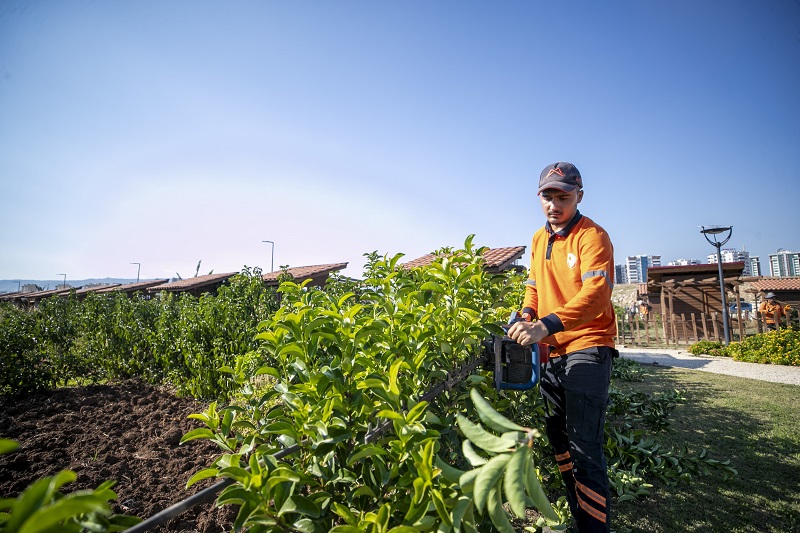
(780, 347)
(180, 339)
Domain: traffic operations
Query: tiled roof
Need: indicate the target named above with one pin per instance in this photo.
(133, 287)
(304, 272)
(96, 288)
(193, 283)
(11, 295)
(38, 295)
(496, 258)
(776, 284)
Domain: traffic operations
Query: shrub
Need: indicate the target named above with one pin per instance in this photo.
(780, 347)
(709, 348)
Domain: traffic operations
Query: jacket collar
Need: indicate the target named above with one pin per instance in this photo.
(567, 229)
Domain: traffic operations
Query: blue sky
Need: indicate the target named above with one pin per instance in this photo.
(167, 133)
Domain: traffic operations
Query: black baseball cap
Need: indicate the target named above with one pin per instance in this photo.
(561, 176)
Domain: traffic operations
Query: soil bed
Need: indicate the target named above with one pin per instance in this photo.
(128, 432)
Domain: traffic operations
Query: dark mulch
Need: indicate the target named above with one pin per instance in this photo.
(127, 432)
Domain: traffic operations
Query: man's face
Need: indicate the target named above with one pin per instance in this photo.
(559, 206)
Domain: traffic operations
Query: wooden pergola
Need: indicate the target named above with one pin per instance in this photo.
(688, 297)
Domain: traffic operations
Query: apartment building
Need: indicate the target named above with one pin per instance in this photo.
(636, 267)
(784, 264)
(684, 262)
(733, 256)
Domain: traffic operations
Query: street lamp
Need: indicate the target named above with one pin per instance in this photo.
(63, 285)
(137, 271)
(272, 260)
(716, 233)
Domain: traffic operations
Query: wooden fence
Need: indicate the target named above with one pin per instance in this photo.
(682, 330)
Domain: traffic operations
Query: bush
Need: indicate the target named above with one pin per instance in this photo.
(709, 348)
(780, 347)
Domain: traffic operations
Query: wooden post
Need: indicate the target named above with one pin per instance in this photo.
(647, 330)
(674, 322)
(705, 326)
(636, 325)
(685, 331)
(664, 315)
(739, 312)
(714, 324)
(672, 319)
(694, 328)
(655, 327)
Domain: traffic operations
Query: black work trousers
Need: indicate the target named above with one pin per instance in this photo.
(575, 392)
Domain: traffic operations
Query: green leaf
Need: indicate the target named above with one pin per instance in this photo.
(471, 455)
(449, 473)
(68, 506)
(497, 513)
(514, 480)
(481, 438)
(394, 371)
(459, 512)
(365, 451)
(488, 476)
(344, 512)
(291, 349)
(302, 505)
(7, 446)
(536, 493)
(364, 491)
(201, 475)
(490, 417)
(198, 433)
(432, 286)
(467, 479)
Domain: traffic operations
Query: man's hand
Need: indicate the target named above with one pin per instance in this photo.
(527, 333)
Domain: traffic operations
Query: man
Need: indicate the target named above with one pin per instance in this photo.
(771, 310)
(569, 292)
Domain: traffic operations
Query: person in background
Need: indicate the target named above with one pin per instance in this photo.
(771, 310)
(644, 310)
(568, 292)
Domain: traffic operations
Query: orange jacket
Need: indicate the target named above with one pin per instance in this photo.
(770, 310)
(570, 283)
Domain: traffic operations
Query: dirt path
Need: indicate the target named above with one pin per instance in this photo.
(128, 432)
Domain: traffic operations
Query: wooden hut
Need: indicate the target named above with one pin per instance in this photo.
(688, 298)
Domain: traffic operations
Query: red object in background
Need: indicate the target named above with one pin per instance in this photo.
(544, 352)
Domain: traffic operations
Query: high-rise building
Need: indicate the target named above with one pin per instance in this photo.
(755, 265)
(683, 262)
(733, 256)
(620, 275)
(636, 267)
(784, 263)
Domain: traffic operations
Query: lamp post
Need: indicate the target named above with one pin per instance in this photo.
(714, 232)
(139, 269)
(272, 259)
(64, 285)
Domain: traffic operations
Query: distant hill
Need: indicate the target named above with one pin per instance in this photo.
(13, 285)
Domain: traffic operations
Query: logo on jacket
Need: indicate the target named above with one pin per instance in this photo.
(572, 260)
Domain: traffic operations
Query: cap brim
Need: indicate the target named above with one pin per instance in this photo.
(557, 185)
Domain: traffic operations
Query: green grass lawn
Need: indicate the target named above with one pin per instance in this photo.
(753, 423)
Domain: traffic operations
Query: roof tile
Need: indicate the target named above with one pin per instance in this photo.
(304, 272)
(496, 258)
(777, 284)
